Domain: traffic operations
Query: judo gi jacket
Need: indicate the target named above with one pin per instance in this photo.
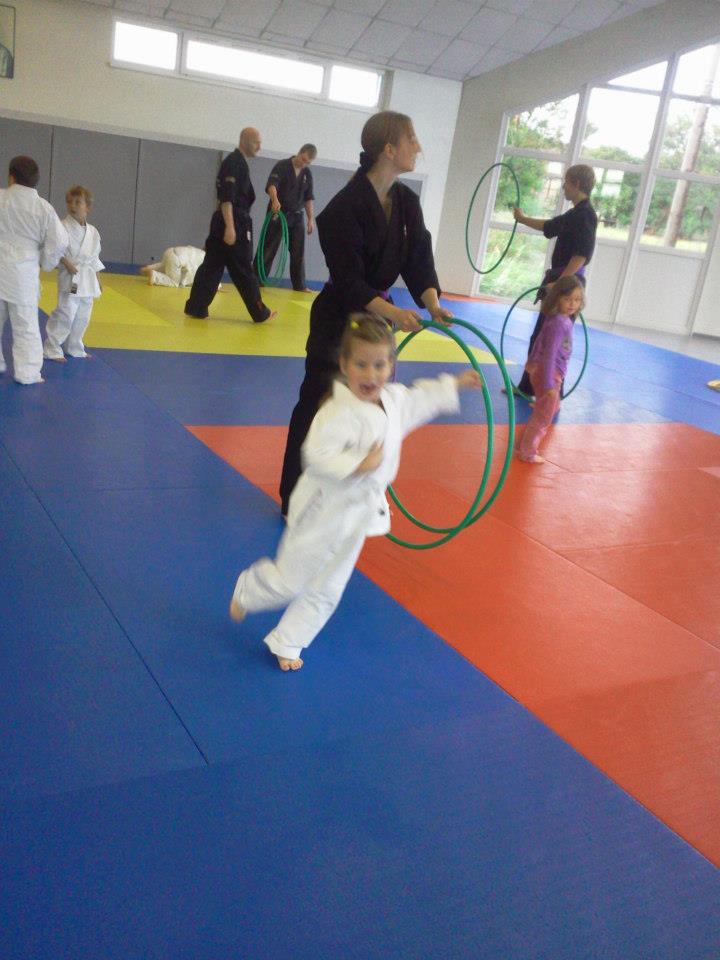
(31, 237)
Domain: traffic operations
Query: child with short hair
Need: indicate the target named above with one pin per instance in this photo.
(78, 284)
(351, 454)
(31, 237)
(548, 361)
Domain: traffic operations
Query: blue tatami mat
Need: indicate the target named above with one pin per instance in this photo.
(470, 840)
(77, 704)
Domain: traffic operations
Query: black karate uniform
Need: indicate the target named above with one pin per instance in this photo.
(575, 231)
(233, 186)
(293, 193)
(365, 254)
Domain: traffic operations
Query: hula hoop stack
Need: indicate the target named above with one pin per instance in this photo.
(281, 261)
(477, 507)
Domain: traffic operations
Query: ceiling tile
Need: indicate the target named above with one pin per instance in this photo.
(589, 14)
(491, 60)
(420, 48)
(326, 49)
(448, 17)
(206, 9)
(524, 35)
(558, 35)
(249, 17)
(341, 29)
(458, 58)
(550, 11)
(296, 19)
(381, 38)
(367, 7)
(487, 26)
(407, 12)
(509, 6)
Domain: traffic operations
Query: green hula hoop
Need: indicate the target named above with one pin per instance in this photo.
(502, 344)
(467, 219)
(284, 246)
(476, 510)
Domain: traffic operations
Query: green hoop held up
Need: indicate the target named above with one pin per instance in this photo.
(476, 509)
(281, 261)
(467, 220)
(502, 343)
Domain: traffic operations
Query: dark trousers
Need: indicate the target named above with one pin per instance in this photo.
(319, 375)
(238, 260)
(296, 242)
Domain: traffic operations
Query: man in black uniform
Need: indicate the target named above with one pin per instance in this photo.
(290, 188)
(575, 231)
(229, 243)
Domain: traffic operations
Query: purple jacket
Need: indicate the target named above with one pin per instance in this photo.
(551, 353)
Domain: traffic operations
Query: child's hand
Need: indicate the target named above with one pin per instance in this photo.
(70, 266)
(469, 380)
(372, 460)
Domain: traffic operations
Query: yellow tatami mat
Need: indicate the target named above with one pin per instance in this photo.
(132, 315)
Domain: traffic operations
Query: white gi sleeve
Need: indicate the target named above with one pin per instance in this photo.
(424, 400)
(331, 450)
(55, 243)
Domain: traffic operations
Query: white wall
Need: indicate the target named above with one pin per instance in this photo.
(548, 75)
(63, 76)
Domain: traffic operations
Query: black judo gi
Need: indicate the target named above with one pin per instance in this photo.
(294, 191)
(365, 254)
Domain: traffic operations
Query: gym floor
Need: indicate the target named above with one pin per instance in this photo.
(505, 748)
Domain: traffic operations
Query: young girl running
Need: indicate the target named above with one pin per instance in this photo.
(351, 454)
(548, 361)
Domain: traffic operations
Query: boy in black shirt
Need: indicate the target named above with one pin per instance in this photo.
(575, 231)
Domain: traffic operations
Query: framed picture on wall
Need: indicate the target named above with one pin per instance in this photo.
(7, 42)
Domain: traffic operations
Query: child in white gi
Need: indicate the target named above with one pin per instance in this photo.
(548, 361)
(31, 236)
(78, 284)
(176, 269)
(351, 454)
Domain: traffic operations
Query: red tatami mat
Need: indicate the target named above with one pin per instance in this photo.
(612, 656)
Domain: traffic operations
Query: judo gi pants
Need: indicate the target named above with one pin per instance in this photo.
(296, 238)
(319, 375)
(308, 577)
(26, 340)
(546, 406)
(66, 327)
(238, 260)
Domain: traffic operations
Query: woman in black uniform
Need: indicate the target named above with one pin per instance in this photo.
(371, 232)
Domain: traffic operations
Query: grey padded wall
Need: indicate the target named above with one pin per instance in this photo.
(175, 198)
(31, 139)
(107, 165)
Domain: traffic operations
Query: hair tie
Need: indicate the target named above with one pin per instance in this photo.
(366, 161)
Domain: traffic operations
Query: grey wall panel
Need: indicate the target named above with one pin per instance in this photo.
(31, 139)
(107, 165)
(175, 197)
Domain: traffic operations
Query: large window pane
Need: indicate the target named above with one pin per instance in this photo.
(681, 214)
(361, 87)
(540, 182)
(614, 199)
(692, 138)
(548, 127)
(145, 46)
(698, 72)
(522, 267)
(236, 64)
(619, 125)
(649, 78)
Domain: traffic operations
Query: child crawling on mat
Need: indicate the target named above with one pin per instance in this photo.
(350, 456)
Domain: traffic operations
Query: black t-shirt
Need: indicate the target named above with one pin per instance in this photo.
(575, 231)
(293, 190)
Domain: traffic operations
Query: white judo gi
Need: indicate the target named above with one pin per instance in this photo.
(69, 320)
(177, 267)
(31, 236)
(332, 510)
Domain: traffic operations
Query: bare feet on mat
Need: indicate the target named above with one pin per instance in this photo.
(237, 613)
(56, 359)
(286, 664)
(536, 459)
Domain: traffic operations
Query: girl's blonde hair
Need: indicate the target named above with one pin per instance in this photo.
(561, 288)
(382, 128)
(79, 191)
(368, 328)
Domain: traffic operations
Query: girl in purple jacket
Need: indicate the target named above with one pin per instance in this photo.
(548, 361)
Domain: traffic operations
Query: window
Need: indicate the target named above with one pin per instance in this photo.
(361, 87)
(698, 73)
(540, 182)
(681, 214)
(619, 125)
(615, 198)
(234, 63)
(691, 141)
(650, 78)
(145, 45)
(548, 127)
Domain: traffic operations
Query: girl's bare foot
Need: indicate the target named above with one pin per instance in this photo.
(237, 613)
(286, 664)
